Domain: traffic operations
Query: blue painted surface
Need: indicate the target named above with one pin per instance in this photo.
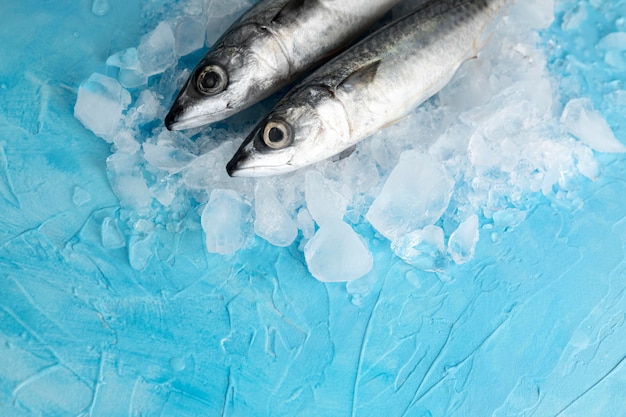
(534, 325)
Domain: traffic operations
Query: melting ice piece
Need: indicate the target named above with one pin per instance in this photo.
(223, 219)
(148, 107)
(322, 201)
(171, 152)
(156, 50)
(165, 191)
(194, 7)
(272, 222)
(207, 171)
(131, 74)
(100, 7)
(416, 194)
(462, 242)
(582, 121)
(112, 237)
(424, 248)
(614, 45)
(128, 181)
(80, 196)
(189, 35)
(573, 19)
(305, 223)
(508, 217)
(126, 142)
(224, 8)
(534, 14)
(167, 157)
(141, 250)
(99, 106)
(337, 253)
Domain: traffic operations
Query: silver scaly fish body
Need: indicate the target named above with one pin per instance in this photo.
(267, 48)
(371, 85)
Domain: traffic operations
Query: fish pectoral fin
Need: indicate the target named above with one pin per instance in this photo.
(344, 154)
(289, 11)
(360, 77)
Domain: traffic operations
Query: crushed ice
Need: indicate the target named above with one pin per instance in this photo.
(471, 156)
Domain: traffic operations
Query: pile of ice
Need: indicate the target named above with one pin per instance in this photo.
(465, 161)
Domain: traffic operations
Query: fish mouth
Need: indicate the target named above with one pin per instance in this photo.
(234, 170)
(242, 164)
(171, 120)
(174, 120)
(237, 164)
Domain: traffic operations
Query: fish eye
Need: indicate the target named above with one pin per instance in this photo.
(277, 134)
(212, 80)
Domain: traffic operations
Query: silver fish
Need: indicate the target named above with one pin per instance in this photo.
(267, 48)
(373, 84)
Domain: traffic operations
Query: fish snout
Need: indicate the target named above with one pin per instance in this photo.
(235, 164)
(173, 116)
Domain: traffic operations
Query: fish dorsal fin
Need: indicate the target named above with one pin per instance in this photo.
(289, 11)
(360, 77)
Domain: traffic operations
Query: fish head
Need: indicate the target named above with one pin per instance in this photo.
(305, 127)
(246, 66)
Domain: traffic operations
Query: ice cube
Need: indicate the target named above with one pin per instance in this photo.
(126, 58)
(194, 7)
(125, 142)
(478, 90)
(322, 201)
(272, 222)
(156, 50)
(208, 171)
(572, 19)
(189, 34)
(508, 217)
(172, 151)
(167, 157)
(337, 253)
(112, 237)
(99, 106)
(148, 107)
(586, 164)
(165, 191)
(614, 47)
(533, 14)
(305, 223)
(128, 181)
(462, 242)
(218, 8)
(416, 194)
(224, 220)
(130, 73)
(481, 153)
(423, 248)
(585, 123)
(201, 173)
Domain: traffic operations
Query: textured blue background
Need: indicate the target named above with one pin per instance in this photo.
(534, 325)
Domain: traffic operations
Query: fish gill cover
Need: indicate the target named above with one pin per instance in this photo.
(533, 324)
